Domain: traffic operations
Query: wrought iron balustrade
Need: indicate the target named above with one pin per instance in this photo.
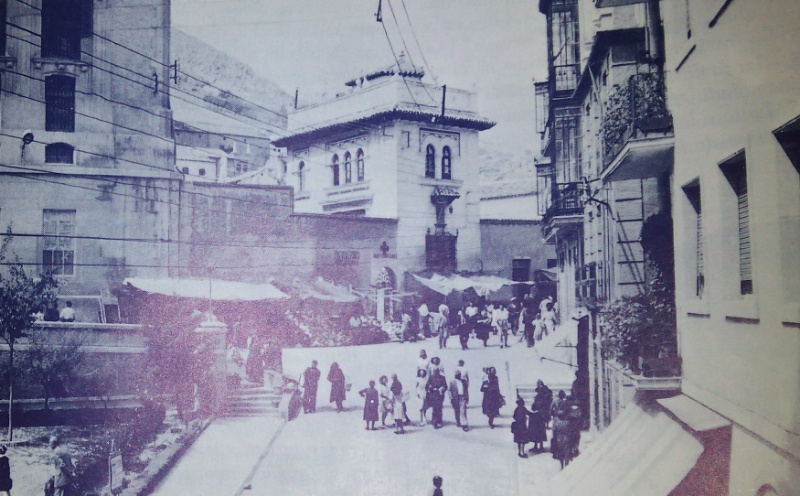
(566, 201)
(635, 110)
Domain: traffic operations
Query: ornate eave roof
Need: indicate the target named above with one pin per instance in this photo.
(380, 117)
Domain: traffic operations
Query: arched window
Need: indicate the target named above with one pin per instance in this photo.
(447, 170)
(348, 168)
(301, 178)
(58, 153)
(335, 168)
(430, 161)
(360, 164)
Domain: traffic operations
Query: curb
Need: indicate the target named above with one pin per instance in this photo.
(152, 475)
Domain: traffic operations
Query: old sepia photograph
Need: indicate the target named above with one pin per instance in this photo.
(399, 247)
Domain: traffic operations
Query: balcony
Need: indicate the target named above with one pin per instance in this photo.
(615, 3)
(566, 209)
(637, 129)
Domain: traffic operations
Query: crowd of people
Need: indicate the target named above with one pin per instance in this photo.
(531, 426)
(387, 399)
(516, 318)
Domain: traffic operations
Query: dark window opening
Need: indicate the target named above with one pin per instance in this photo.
(201, 172)
(735, 170)
(301, 176)
(335, 169)
(59, 103)
(447, 171)
(58, 153)
(348, 168)
(360, 164)
(693, 195)
(185, 170)
(430, 162)
(2, 27)
(64, 23)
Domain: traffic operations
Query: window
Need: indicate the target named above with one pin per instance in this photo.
(565, 49)
(201, 172)
(692, 193)
(348, 168)
(335, 169)
(360, 164)
(430, 162)
(2, 27)
(735, 171)
(446, 163)
(58, 253)
(59, 95)
(301, 170)
(58, 153)
(185, 170)
(64, 23)
(567, 143)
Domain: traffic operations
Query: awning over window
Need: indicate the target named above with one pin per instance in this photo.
(483, 285)
(643, 452)
(213, 289)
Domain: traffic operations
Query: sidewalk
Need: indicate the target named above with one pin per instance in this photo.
(224, 457)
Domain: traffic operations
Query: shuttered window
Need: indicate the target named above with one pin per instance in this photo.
(735, 170)
(58, 252)
(348, 168)
(430, 161)
(693, 195)
(447, 171)
(360, 164)
(335, 169)
(60, 103)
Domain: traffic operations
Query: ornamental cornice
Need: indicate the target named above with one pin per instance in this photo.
(440, 136)
(343, 144)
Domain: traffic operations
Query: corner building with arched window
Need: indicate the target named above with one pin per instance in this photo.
(392, 146)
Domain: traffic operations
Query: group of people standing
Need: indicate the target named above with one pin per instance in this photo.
(309, 381)
(530, 426)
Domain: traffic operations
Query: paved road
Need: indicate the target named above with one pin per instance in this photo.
(330, 453)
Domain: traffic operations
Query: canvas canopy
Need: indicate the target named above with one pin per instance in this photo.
(212, 289)
(321, 289)
(483, 285)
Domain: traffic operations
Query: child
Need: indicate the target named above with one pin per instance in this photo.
(437, 486)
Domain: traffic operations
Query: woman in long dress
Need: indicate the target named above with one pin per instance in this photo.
(336, 378)
(370, 396)
(492, 399)
(397, 405)
(519, 427)
(422, 380)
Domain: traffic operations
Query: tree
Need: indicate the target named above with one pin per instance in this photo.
(644, 325)
(53, 363)
(22, 296)
(179, 361)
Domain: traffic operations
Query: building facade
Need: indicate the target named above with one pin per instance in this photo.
(395, 147)
(736, 207)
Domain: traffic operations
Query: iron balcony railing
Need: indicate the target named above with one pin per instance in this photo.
(635, 110)
(566, 201)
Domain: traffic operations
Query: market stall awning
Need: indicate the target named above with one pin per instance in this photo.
(210, 289)
(323, 290)
(483, 285)
(643, 451)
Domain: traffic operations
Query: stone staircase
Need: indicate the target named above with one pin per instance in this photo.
(250, 399)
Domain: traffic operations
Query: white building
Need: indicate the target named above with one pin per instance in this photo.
(392, 146)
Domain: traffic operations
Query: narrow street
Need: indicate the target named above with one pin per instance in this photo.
(332, 453)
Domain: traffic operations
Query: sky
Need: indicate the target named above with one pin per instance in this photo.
(495, 48)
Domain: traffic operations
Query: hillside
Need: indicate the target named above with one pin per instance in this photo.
(223, 93)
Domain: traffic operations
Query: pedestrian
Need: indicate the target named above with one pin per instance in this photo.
(436, 387)
(310, 380)
(459, 398)
(422, 381)
(543, 401)
(503, 326)
(424, 315)
(422, 361)
(397, 404)
(337, 380)
(462, 327)
(462, 369)
(5, 473)
(438, 323)
(557, 411)
(254, 366)
(483, 326)
(492, 399)
(385, 395)
(514, 310)
(371, 398)
(435, 364)
(519, 427)
(548, 320)
(64, 469)
(537, 431)
(574, 417)
(437, 486)
(560, 444)
(444, 309)
(67, 314)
